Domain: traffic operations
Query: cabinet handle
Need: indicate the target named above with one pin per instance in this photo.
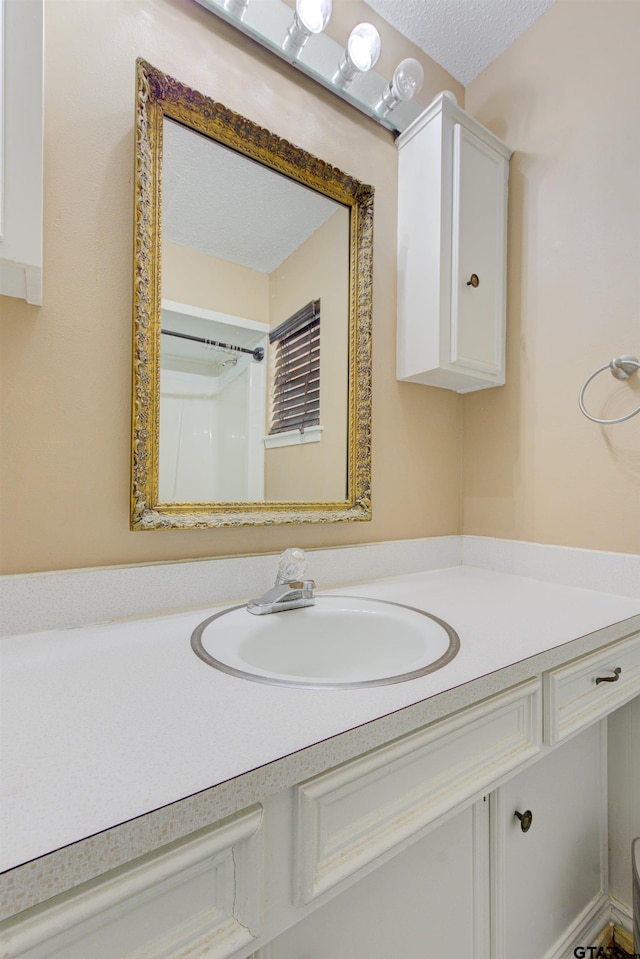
(610, 679)
(526, 818)
(474, 281)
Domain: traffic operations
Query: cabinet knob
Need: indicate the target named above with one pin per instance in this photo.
(474, 281)
(610, 679)
(526, 818)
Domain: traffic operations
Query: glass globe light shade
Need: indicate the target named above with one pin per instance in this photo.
(314, 15)
(311, 16)
(363, 47)
(408, 78)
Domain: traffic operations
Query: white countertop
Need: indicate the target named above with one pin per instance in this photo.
(101, 724)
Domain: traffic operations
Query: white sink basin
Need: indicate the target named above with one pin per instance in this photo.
(342, 641)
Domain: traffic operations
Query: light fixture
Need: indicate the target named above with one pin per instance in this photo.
(361, 53)
(285, 28)
(311, 16)
(236, 7)
(407, 81)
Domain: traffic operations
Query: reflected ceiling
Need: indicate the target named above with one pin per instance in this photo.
(257, 224)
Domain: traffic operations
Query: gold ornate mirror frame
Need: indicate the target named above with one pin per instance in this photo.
(159, 96)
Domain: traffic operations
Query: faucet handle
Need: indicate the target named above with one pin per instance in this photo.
(292, 566)
(306, 586)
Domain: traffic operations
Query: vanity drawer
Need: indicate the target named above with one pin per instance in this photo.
(587, 689)
(202, 895)
(351, 815)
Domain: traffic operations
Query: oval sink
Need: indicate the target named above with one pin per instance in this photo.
(342, 641)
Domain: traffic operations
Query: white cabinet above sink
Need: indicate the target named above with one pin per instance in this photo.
(452, 227)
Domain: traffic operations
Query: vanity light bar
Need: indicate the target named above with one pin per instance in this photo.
(269, 23)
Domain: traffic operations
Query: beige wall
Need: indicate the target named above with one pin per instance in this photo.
(197, 279)
(565, 97)
(66, 368)
(317, 270)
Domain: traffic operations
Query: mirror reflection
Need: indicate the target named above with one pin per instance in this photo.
(245, 250)
(252, 322)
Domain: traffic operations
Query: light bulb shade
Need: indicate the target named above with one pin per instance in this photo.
(311, 16)
(363, 47)
(360, 55)
(314, 15)
(408, 78)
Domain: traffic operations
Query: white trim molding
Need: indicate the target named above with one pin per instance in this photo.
(311, 434)
(21, 171)
(2, 113)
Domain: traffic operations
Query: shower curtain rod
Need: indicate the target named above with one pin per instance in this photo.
(257, 353)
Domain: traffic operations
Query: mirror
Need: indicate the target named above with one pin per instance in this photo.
(252, 322)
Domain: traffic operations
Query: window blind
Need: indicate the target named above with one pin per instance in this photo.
(296, 382)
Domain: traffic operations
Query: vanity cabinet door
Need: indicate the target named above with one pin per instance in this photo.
(201, 896)
(478, 258)
(429, 900)
(550, 880)
(452, 204)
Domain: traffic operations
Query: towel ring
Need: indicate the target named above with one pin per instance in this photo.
(622, 367)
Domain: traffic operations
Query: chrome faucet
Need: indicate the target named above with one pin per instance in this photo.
(291, 590)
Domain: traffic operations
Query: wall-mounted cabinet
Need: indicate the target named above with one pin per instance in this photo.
(21, 146)
(452, 225)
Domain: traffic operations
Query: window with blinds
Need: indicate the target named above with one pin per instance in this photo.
(296, 380)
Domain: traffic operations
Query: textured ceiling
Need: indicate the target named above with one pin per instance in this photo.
(463, 36)
(223, 204)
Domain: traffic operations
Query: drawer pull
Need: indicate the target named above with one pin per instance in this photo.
(526, 818)
(610, 679)
(474, 281)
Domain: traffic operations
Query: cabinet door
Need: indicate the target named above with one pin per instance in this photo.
(429, 900)
(550, 881)
(478, 265)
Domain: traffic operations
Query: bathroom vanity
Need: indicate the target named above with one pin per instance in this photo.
(319, 822)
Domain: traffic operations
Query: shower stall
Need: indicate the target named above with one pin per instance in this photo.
(212, 406)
